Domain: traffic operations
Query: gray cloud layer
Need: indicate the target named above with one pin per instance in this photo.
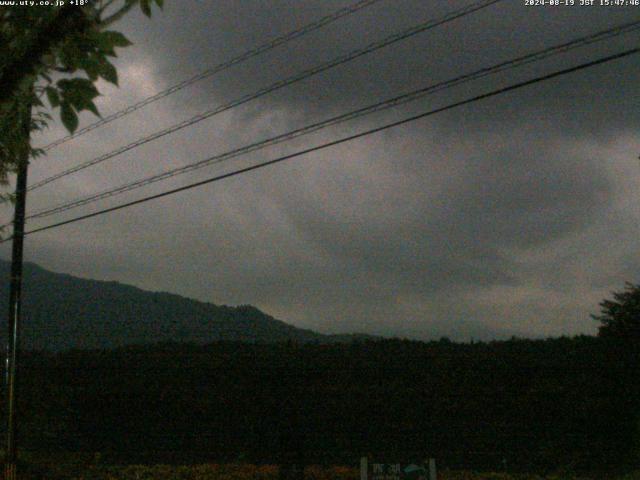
(511, 216)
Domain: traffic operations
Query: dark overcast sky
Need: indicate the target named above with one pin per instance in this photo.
(511, 216)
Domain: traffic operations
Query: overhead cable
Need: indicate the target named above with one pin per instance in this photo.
(379, 106)
(372, 47)
(323, 146)
(269, 45)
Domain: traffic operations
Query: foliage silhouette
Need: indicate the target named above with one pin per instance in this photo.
(620, 317)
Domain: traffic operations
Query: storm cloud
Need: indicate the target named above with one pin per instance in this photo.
(511, 216)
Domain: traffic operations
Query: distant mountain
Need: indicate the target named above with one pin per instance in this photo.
(63, 312)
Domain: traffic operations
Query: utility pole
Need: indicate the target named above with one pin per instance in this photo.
(15, 300)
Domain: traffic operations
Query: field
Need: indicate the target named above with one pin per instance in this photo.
(246, 472)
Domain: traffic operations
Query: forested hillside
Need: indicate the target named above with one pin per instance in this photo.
(62, 312)
(520, 404)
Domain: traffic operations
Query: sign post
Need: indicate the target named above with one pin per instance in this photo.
(363, 468)
(432, 469)
(397, 471)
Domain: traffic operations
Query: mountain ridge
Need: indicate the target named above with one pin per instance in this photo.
(98, 314)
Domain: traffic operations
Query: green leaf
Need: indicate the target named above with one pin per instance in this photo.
(77, 90)
(110, 38)
(78, 94)
(49, 59)
(69, 117)
(37, 152)
(105, 42)
(71, 55)
(160, 3)
(91, 65)
(92, 108)
(105, 48)
(52, 96)
(145, 6)
(109, 72)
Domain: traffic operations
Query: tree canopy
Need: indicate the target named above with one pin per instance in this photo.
(620, 317)
(57, 53)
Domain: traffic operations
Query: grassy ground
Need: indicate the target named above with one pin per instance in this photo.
(90, 467)
(246, 472)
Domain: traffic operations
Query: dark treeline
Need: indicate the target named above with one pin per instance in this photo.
(520, 404)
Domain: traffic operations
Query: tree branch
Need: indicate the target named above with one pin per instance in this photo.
(104, 6)
(129, 4)
(69, 18)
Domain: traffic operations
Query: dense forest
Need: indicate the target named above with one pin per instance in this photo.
(520, 405)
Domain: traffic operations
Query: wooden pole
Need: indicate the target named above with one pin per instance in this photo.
(15, 305)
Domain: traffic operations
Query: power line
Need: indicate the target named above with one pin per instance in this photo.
(625, 28)
(276, 86)
(380, 106)
(270, 45)
(343, 140)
